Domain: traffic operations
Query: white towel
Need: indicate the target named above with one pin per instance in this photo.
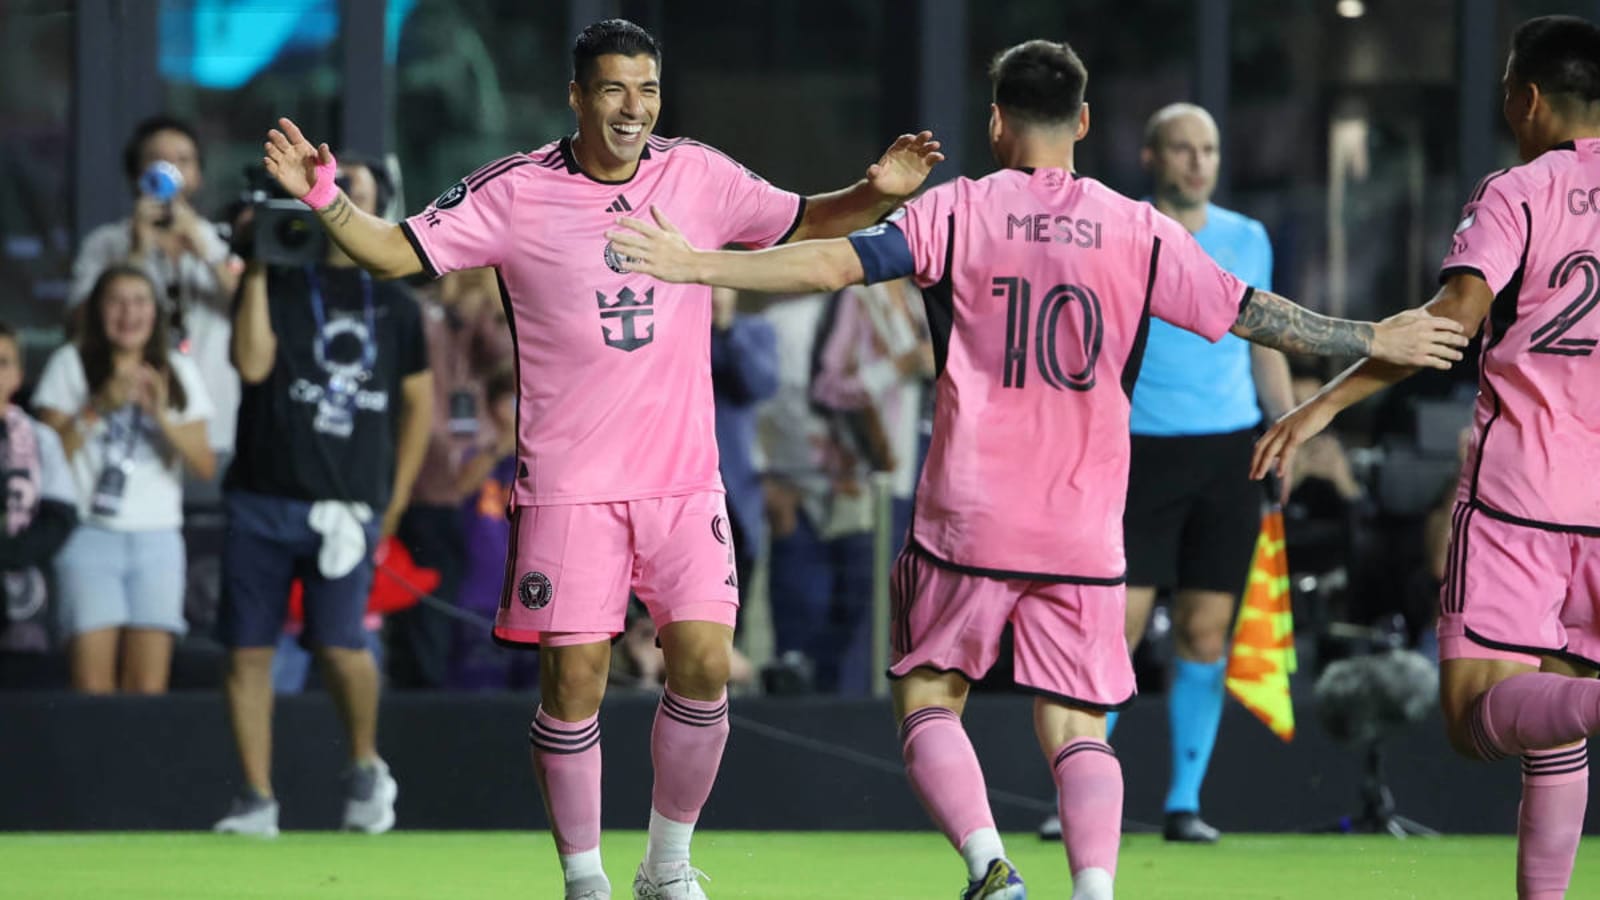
(344, 540)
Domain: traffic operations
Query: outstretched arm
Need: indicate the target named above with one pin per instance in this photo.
(662, 251)
(1464, 300)
(307, 172)
(1412, 338)
(889, 182)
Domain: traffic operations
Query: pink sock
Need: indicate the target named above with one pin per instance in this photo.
(944, 772)
(566, 760)
(1555, 795)
(1089, 799)
(1534, 711)
(686, 747)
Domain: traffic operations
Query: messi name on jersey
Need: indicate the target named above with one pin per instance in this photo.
(1046, 228)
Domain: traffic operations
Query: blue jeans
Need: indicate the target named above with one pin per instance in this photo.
(821, 594)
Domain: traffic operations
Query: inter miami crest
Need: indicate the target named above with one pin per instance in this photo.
(719, 529)
(452, 196)
(535, 590)
(615, 260)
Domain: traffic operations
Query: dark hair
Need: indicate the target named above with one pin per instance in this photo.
(133, 150)
(610, 36)
(94, 346)
(1040, 82)
(380, 176)
(1560, 54)
(501, 382)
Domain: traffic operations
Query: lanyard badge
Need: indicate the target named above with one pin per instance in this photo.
(122, 440)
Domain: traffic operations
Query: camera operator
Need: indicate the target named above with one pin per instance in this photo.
(184, 254)
(332, 430)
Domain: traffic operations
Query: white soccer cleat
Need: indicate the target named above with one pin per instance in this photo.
(369, 806)
(679, 881)
(251, 814)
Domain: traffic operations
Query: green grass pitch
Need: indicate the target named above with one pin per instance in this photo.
(768, 866)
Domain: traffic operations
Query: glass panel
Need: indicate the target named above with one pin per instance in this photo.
(1137, 63)
(473, 81)
(232, 67)
(36, 83)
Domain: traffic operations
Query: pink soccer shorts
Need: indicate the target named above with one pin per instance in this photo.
(1518, 592)
(1068, 645)
(569, 568)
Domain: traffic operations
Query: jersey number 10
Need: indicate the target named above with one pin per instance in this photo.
(1050, 340)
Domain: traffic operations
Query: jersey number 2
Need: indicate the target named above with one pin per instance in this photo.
(1047, 333)
(1551, 337)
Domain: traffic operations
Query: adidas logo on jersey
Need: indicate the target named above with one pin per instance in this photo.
(619, 205)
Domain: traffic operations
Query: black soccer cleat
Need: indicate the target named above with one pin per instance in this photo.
(1188, 828)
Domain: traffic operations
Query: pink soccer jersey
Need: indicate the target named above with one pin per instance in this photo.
(1533, 234)
(1039, 286)
(614, 399)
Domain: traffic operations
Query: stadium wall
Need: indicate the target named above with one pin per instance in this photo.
(80, 763)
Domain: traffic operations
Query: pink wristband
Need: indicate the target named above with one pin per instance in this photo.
(324, 190)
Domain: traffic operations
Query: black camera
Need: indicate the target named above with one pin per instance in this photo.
(274, 228)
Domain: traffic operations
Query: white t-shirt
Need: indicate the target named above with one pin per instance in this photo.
(153, 494)
(208, 310)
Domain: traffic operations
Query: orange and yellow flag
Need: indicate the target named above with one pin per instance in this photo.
(1263, 639)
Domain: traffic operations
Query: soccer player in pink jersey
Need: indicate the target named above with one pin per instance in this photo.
(616, 484)
(1040, 285)
(1519, 612)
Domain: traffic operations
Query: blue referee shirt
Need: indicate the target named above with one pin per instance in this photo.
(1188, 385)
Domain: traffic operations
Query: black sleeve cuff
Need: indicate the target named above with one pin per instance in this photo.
(1450, 272)
(799, 216)
(422, 255)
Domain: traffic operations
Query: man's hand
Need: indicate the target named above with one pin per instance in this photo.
(905, 165)
(1275, 450)
(1418, 338)
(189, 228)
(145, 223)
(658, 250)
(292, 160)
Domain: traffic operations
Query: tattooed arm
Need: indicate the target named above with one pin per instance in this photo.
(377, 245)
(1463, 301)
(1410, 338)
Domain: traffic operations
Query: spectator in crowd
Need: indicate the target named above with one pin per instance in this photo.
(186, 258)
(132, 417)
(484, 486)
(820, 514)
(40, 508)
(744, 372)
(467, 339)
(876, 365)
(333, 426)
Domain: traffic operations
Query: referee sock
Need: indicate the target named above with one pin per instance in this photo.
(1089, 800)
(1555, 795)
(1194, 710)
(566, 760)
(945, 775)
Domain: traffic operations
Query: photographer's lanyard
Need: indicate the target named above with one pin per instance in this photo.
(369, 340)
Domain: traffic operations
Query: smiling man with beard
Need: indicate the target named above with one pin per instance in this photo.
(616, 485)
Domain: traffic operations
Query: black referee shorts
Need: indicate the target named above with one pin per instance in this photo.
(1193, 513)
